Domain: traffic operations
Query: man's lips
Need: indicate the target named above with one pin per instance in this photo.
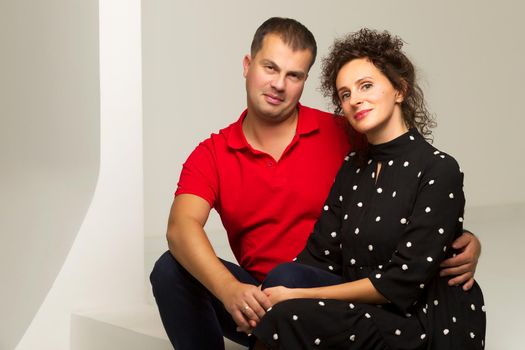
(273, 99)
(361, 114)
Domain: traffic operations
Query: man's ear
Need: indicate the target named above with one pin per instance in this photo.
(246, 64)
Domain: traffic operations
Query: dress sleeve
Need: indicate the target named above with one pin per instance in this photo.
(435, 221)
(323, 247)
(199, 174)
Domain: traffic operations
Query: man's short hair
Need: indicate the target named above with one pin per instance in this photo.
(291, 32)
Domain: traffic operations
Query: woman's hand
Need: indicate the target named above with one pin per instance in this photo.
(278, 294)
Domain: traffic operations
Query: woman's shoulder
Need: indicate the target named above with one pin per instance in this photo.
(439, 163)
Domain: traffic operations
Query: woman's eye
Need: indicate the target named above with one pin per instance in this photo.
(345, 96)
(366, 86)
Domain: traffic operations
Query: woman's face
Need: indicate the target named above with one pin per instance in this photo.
(369, 101)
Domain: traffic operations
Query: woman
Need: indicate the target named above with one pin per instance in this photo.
(393, 211)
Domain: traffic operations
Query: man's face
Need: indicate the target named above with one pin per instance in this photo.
(275, 79)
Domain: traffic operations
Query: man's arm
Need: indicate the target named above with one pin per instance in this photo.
(463, 266)
(189, 244)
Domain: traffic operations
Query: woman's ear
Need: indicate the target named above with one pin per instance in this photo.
(401, 93)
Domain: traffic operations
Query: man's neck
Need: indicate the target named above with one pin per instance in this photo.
(270, 138)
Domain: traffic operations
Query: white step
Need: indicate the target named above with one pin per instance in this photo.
(134, 328)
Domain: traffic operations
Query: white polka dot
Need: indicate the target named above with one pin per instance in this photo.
(330, 267)
(352, 337)
(294, 259)
(472, 335)
(340, 198)
(351, 306)
(444, 248)
(347, 158)
(321, 303)
(369, 161)
(431, 182)
(275, 336)
(326, 252)
(373, 174)
(441, 231)
(403, 221)
(423, 336)
(405, 164)
(269, 309)
(379, 190)
(356, 230)
(451, 195)
(429, 259)
(454, 319)
(436, 302)
(352, 154)
(419, 174)
(317, 341)
(428, 210)
(445, 331)
(473, 307)
(360, 204)
(378, 275)
(397, 332)
(409, 244)
(408, 315)
(367, 315)
(442, 156)
(295, 318)
(370, 247)
(346, 217)
(483, 308)
(380, 266)
(390, 162)
(425, 310)
(412, 138)
(482, 342)
(421, 286)
(404, 267)
(333, 234)
(326, 208)
(394, 194)
(352, 261)
(436, 153)
(354, 187)
(378, 219)
(460, 219)
(357, 171)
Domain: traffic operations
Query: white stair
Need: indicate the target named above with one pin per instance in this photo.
(133, 328)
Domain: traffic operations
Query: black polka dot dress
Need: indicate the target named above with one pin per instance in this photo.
(394, 228)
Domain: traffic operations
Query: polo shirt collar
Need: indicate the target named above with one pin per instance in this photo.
(306, 124)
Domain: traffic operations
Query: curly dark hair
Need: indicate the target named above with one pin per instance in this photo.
(384, 51)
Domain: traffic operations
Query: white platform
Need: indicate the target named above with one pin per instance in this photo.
(499, 274)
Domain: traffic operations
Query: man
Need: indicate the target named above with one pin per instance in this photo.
(267, 175)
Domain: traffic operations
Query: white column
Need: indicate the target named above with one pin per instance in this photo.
(105, 265)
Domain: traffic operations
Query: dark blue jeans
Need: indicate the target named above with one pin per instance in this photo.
(195, 319)
(192, 316)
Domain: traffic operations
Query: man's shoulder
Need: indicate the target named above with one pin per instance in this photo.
(325, 119)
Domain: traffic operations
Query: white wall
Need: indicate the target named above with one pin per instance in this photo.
(49, 146)
(469, 54)
(75, 111)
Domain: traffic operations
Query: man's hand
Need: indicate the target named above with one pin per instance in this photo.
(463, 266)
(246, 303)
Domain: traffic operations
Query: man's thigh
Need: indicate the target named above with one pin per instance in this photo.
(296, 275)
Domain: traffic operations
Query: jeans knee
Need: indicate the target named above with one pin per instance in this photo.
(165, 271)
(284, 274)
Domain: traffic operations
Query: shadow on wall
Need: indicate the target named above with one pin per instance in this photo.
(49, 147)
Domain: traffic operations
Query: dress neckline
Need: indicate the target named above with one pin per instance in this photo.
(396, 147)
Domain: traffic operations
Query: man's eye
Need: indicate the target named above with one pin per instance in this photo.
(270, 68)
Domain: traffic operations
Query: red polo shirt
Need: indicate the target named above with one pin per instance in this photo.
(268, 208)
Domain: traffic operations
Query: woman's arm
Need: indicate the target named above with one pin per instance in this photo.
(360, 291)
